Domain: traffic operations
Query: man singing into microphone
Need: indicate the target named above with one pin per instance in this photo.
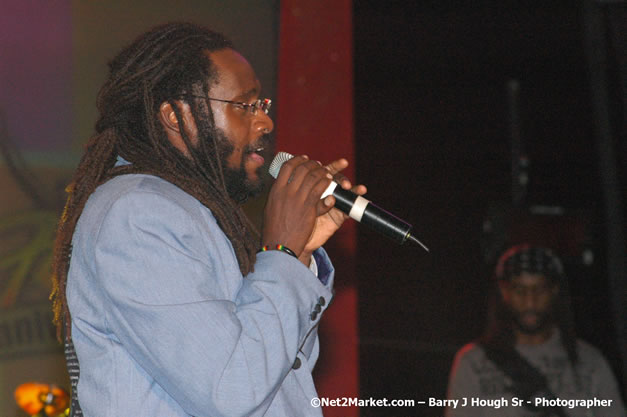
(168, 301)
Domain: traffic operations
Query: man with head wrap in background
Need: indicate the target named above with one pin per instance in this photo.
(529, 362)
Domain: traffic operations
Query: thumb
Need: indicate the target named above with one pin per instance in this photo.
(325, 205)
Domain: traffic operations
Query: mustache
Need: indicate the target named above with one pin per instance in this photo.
(530, 312)
(264, 143)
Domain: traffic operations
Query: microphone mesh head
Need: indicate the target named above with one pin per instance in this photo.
(277, 162)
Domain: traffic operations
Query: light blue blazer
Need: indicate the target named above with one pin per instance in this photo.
(165, 325)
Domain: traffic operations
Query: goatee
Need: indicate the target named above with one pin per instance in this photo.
(239, 187)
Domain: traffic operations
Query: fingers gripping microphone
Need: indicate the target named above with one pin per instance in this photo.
(359, 208)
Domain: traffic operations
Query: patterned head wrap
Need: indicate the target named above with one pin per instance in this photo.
(530, 259)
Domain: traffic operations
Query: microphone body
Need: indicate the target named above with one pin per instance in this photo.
(359, 208)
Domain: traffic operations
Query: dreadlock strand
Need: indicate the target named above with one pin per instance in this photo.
(96, 160)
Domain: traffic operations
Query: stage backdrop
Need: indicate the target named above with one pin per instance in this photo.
(53, 59)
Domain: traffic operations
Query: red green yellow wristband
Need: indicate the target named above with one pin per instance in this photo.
(280, 247)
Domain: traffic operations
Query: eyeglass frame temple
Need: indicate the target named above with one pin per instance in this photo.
(245, 105)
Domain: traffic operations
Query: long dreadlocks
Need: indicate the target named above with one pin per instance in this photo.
(166, 64)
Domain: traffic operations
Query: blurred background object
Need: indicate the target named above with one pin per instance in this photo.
(42, 400)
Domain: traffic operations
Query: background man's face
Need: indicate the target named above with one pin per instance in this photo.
(530, 297)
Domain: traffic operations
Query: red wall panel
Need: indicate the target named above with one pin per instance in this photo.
(315, 117)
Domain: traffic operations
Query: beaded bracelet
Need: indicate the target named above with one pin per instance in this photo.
(280, 247)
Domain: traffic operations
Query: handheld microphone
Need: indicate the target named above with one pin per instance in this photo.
(359, 208)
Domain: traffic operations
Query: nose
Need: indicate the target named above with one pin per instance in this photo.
(530, 300)
(263, 123)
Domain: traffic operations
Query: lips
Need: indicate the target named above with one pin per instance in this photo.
(530, 317)
(256, 158)
(255, 150)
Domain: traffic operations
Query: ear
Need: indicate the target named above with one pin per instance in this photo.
(170, 123)
(167, 117)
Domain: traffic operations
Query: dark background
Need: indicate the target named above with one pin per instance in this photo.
(433, 145)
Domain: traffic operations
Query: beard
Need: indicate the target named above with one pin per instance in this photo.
(239, 187)
(543, 320)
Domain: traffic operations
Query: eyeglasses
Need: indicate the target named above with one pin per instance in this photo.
(263, 104)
